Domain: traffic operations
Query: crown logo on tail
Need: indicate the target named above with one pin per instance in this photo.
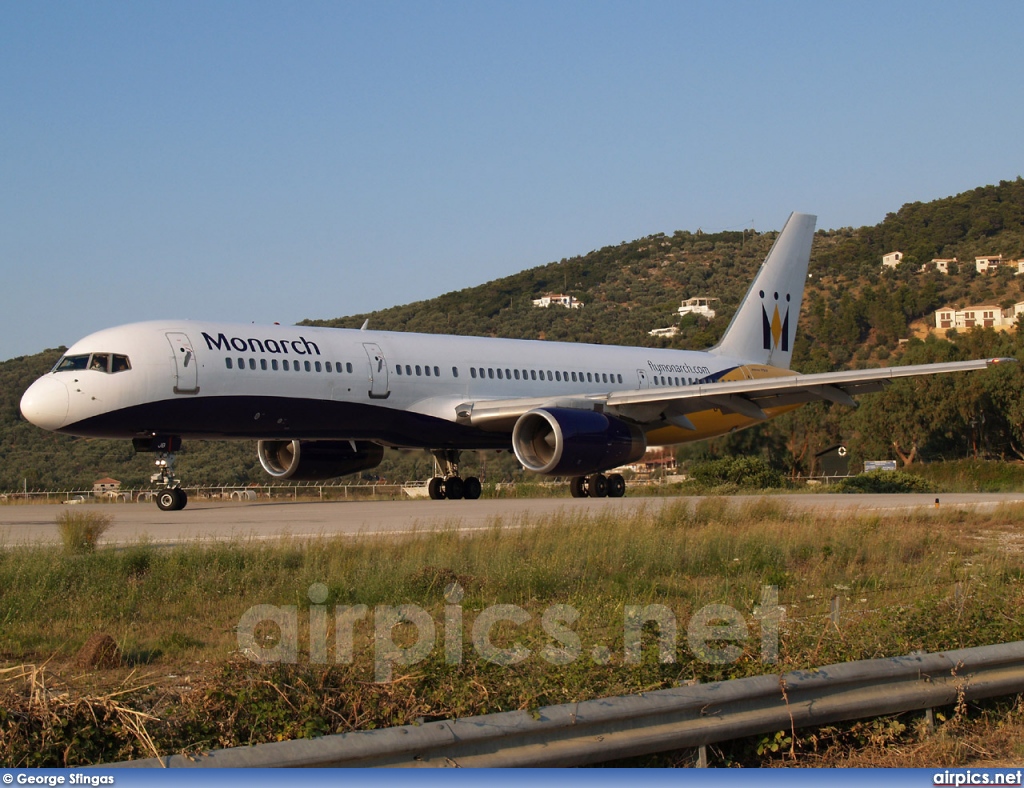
(776, 328)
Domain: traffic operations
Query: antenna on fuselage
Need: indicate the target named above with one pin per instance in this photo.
(365, 324)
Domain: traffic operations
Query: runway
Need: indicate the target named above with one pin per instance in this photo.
(221, 520)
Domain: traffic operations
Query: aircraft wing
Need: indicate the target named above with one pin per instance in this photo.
(749, 398)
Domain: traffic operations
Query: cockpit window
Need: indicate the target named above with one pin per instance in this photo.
(98, 362)
(71, 363)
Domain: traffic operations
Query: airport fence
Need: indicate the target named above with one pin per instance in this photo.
(377, 490)
(323, 491)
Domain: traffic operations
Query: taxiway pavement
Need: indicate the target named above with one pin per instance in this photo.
(222, 520)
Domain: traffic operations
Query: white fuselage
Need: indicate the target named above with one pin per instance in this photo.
(213, 380)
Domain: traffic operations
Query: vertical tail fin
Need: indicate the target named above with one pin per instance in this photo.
(764, 326)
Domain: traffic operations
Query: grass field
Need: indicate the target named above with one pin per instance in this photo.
(536, 612)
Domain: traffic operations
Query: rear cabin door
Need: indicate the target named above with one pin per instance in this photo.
(185, 366)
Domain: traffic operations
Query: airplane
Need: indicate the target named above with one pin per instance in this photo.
(325, 402)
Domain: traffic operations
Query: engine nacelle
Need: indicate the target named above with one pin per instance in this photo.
(567, 442)
(312, 461)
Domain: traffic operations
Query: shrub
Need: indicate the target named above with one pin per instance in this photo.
(80, 531)
(885, 482)
(742, 471)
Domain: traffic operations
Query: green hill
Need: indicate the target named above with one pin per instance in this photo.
(854, 315)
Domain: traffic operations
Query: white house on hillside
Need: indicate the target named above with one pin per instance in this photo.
(698, 306)
(987, 315)
(568, 301)
(892, 259)
(942, 264)
(988, 263)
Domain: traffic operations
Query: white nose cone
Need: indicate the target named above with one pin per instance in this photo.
(45, 404)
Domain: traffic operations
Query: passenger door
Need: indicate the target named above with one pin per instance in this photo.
(379, 388)
(186, 368)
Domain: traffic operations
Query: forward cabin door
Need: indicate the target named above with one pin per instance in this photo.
(642, 381)
(186, 369)
(379, 388)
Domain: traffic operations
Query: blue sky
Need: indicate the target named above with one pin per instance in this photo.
(272, 161)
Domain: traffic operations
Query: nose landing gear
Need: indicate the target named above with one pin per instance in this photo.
(172, 498)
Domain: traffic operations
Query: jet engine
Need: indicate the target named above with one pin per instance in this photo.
(310, 461)
(567, 442)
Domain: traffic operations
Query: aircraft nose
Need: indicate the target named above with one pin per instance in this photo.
(45, 404)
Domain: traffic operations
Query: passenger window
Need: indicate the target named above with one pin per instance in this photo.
(549, 374)
(398, 369)
(318, 367)
(558, 376)
(437, 372)
(508, 374)
(227, 363)
(408, 370)
(241, 363)
(306, 364)
(455, 372)
(284, 365)
(419, 370)
(252, 363)
(273, 364)
(472, 372)
(533, 374)
(517, 374)
(348, 366)
(328, 367)
(426, 371)
(490, 373)
(263, 364)
(499, 375)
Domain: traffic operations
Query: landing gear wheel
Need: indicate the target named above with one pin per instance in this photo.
(578, 487)
(597, 485)
(471, 488)
(171, 499)
(616, 486)
(435, 488)
(453, 488)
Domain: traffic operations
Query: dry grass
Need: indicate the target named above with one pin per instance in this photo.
(80, 531)
(932, 581)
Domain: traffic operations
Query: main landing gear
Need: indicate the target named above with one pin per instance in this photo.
(447, 484)
(597, 485)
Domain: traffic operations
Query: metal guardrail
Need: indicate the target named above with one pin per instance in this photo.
(594, 731)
